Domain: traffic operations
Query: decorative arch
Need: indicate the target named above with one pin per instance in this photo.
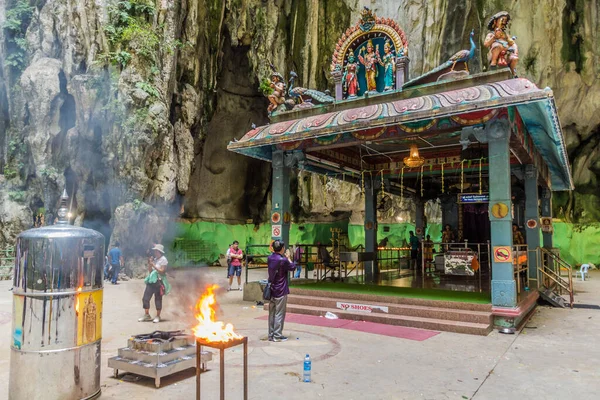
(369, 26)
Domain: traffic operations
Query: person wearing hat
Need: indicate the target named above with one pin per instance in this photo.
(157, 284)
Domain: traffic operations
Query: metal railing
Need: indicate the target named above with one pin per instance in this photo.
(550, 276)
(391, 258)
(7, 262)
(460, 258)
(521, 267)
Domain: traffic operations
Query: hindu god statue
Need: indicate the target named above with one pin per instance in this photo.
(350, 78)
(370, 61)
(388, 62)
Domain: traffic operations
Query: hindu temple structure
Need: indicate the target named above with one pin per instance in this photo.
(477, 142)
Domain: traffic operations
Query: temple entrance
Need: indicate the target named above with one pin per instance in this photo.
(476, 223)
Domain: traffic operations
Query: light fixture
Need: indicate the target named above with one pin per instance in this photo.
(414, 160)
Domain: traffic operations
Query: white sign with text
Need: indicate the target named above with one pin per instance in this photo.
(361, 307)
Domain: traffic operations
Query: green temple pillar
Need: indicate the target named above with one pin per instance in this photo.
(420, 218)
(532, 213)
(280, 200)
(504, 293)
(547, 212)
(371, 267)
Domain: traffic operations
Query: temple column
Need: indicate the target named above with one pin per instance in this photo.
(337, 79)
(401, 71)
(371, 267)
(547, 212)
(532, 212)
(280, 200)
(420, 218)
(504, 293)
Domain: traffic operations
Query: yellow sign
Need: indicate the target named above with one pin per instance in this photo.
(503, 254)
(89, 317)
(499, 210)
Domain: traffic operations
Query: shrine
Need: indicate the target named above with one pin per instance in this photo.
(489, 146)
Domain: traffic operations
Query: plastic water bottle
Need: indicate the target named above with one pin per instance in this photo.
(307, 366)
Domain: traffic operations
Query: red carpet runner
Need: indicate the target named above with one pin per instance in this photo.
(361, 326)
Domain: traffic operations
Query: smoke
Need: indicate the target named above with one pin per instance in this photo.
(187, 287)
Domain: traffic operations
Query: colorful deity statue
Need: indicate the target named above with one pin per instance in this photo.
(350, 78)
(370, 61)
(388, 61)
(503, 49)
(278, 96)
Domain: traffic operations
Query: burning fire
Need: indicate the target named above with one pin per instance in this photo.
(207, 328)
(77, 300)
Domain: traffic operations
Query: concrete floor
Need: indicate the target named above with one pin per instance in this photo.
(556, 356)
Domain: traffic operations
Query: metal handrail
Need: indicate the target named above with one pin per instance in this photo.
(557, 278)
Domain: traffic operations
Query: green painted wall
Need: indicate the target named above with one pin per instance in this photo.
(577, 243)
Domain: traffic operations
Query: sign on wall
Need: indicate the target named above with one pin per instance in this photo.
(469, 198)
(546, 224)
(503, 254)
(276, 231)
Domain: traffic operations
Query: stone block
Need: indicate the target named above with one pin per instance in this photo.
(253, 291)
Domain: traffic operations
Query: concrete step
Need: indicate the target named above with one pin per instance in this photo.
(360, 297)
(400, 320)
(422, 311)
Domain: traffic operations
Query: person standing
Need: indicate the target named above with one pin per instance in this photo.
(235, 267)
(115, 258)
(228, 257)
(414, 249)
(298, 260)
(279, 265)
(428, 249)
(157, 284)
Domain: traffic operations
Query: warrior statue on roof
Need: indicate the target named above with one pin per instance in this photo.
(503, 49)
(370, 61)
(350, 78)
(277, 97)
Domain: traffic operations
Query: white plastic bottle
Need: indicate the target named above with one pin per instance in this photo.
(307, 367)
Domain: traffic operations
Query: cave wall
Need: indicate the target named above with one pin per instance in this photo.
(129, 113)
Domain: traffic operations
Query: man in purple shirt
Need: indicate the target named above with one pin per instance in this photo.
(279, 266)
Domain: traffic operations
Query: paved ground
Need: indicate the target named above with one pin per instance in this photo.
(556, 356)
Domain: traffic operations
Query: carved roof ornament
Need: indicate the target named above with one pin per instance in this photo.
(367, 19)
(368, 26)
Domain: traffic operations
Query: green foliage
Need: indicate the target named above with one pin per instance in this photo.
(50, 173)
(137, 204)
(17, 195)
(129, 32)
(18, 17)
(148, 88)
(265, 87)
(10, 172)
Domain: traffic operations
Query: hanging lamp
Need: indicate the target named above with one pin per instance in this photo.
(414, 160)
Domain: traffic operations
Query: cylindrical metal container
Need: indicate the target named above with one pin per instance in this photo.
(57, 312)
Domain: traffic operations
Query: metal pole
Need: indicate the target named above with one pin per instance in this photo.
(479, 271)
(198, 354)
(245, 368)
(222, 372)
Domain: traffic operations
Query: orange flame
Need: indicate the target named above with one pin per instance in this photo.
(77, 300)
(207, 328)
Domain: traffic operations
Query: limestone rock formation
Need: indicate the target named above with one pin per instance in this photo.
(137, 226)
(141, 108)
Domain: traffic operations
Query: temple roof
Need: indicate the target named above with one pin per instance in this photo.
(465, 103)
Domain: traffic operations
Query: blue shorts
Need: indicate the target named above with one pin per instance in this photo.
(233, 270)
